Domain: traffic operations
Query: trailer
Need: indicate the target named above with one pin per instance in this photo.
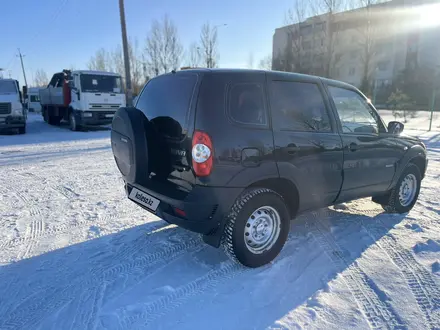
(82, 98)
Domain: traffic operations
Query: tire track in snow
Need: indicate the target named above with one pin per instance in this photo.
(167, 303)
(66, 227)
(420, 281)
(33, 232)
(33, 312)
(370, 299)
(161, 307)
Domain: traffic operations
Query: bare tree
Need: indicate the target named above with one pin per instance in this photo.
(368, 23)
(266, 63)
(163, 47)
(100, 61)
(40, 78)
(117, 61)
(136, 64)
(326, 9)
(194, 55)
(136, 69)
(153, 51)
(295, 16)
(209, 45)
(250, 63)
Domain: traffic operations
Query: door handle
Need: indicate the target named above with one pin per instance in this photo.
(353, 146)
(292, 149)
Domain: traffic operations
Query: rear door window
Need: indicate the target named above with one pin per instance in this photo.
(298, 106)
(246, 104)
(168, 98)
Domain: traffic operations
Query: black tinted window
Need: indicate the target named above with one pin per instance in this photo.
(354, 112)
(298, 106)
(246, 104)
(35, 98)
(168, 96)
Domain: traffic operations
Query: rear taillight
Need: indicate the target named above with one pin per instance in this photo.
(202, 151)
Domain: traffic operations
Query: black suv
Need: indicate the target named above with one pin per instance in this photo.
(235, 154)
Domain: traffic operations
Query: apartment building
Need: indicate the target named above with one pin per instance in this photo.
(377, 42)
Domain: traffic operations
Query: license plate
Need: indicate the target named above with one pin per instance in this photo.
(109, 115)
(144, 199)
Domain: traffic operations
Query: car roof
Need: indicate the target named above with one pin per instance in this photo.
(271, 73)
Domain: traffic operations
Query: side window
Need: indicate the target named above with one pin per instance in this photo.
(298, 106)
(246, 104)
(354, 112)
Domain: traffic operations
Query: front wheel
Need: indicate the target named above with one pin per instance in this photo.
(256, 228)
(403, 196)
(73, 123)
(22, 130)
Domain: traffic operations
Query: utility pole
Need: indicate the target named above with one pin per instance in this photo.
(126, 57)
(22, 66)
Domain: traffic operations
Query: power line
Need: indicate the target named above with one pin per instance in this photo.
(52, 20)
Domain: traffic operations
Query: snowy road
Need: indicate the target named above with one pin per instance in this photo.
(76, 254)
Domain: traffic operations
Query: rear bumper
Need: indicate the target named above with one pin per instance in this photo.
(12, 122)
(86, 118)
(205, 208)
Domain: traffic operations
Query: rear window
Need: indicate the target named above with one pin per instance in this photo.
(168, 96)
(298, 106)
(246, 104)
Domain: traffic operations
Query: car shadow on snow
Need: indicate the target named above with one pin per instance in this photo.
(157, 275)
(37, 131)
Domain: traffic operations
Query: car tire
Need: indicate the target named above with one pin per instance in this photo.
(403, 196)
(73, 123)
(22, 130)
(256, 228)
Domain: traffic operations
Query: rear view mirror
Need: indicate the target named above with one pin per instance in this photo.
(395, 127)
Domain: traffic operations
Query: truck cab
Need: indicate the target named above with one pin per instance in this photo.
(33, 100)
(82, 98)
(12, 113)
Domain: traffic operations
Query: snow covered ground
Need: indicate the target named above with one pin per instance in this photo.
(76, 254)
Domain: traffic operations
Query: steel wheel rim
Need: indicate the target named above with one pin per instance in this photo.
(262, 229)
(407, 190)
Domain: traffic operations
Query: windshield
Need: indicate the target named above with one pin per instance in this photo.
(35, 98)
(100, 84)
(8, 87)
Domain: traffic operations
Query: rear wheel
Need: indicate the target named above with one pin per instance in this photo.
(54, 120)
(403, 196)
(257, 227)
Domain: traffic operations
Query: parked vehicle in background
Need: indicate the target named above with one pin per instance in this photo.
(32, 100)
(235, 154)
(82, 98)
(12, 112)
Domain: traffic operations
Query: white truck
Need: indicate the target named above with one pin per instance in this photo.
(12, 112)
(32, 100)
(82, 98)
